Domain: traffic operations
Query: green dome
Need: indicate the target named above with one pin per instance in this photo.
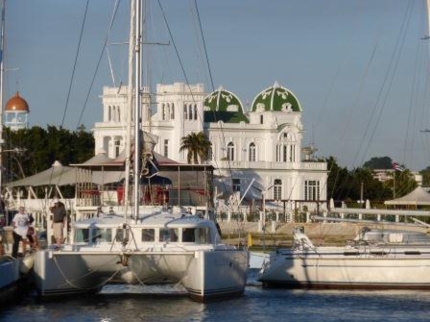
(276, 98)
(223, 105)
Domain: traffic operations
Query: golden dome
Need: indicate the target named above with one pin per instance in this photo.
(17, 103)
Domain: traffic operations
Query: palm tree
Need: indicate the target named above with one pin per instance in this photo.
(197, 145)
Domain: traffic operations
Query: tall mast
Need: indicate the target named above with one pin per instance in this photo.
(129, 108)
(428, 18)
(2, 45)
(137, 107)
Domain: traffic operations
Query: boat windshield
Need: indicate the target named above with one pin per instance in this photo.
(96, 235)
(200, 235)
(404, 237)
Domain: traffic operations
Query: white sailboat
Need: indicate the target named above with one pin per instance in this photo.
(375, 259)
(378, 258)
(152, 244)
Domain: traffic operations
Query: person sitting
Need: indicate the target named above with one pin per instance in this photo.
(32, 238)
(21, 223)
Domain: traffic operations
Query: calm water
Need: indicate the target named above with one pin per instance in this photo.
(256, 305)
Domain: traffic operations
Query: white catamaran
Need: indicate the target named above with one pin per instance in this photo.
(152, 244)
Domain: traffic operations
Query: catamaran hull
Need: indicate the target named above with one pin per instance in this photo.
(331, 271)
(62, 273)
(204, 274)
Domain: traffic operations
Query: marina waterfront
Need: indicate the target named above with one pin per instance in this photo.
(258, 304)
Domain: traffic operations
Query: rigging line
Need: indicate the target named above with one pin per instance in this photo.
(414, 88)
(212, 85)
(393, 62)
(389, 78)
(176, 50)
(204, 45)
(198, 36)
(99, 62)
(76, 61)
(355, 103)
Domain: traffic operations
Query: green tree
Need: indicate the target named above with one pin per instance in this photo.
(42, 148)
(379, 163)
(426, 176)
(197, 145)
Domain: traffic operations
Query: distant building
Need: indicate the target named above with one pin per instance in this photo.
(383, 175)
(16, 113)
(262, 146)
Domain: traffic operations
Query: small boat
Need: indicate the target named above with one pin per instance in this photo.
(375, 259)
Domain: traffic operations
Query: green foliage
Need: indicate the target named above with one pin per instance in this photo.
(354, 185)
(379, 163)
(42, 148)
(426, 176)
(197, 145)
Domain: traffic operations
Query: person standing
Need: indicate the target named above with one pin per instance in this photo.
(59, 217)
(21, 223)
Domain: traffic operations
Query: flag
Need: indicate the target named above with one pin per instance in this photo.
(397, 167)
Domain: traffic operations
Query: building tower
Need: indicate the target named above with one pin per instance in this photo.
(16, 113)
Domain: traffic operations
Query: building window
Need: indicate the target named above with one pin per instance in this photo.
(117, 146)
(185, 111)
(166, 148)
(230, 151)
(163, 112)
(277, 189)
(292, 153)
(172, 112)
(236, 185)
(312, 190)
(252, 152)
(195, 111)
(261, 119)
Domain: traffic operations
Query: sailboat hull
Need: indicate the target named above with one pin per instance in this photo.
(204, 274)
(338, 267)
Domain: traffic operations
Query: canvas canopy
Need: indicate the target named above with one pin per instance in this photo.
(418, 197)
(55, 175)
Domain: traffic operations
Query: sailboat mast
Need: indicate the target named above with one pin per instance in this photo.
(428, 18)
(2, 44)
(129, 110)
(137, 107)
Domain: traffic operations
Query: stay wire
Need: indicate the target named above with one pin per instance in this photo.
(98, 63)
(75, 62)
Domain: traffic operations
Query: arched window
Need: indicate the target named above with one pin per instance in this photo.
(286, 148)
(252, 152)
(277, 189)
(195, 111)
(230, 151)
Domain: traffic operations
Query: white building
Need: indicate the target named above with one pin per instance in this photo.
(262, 146)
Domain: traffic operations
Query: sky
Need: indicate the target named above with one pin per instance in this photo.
(358, 67)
